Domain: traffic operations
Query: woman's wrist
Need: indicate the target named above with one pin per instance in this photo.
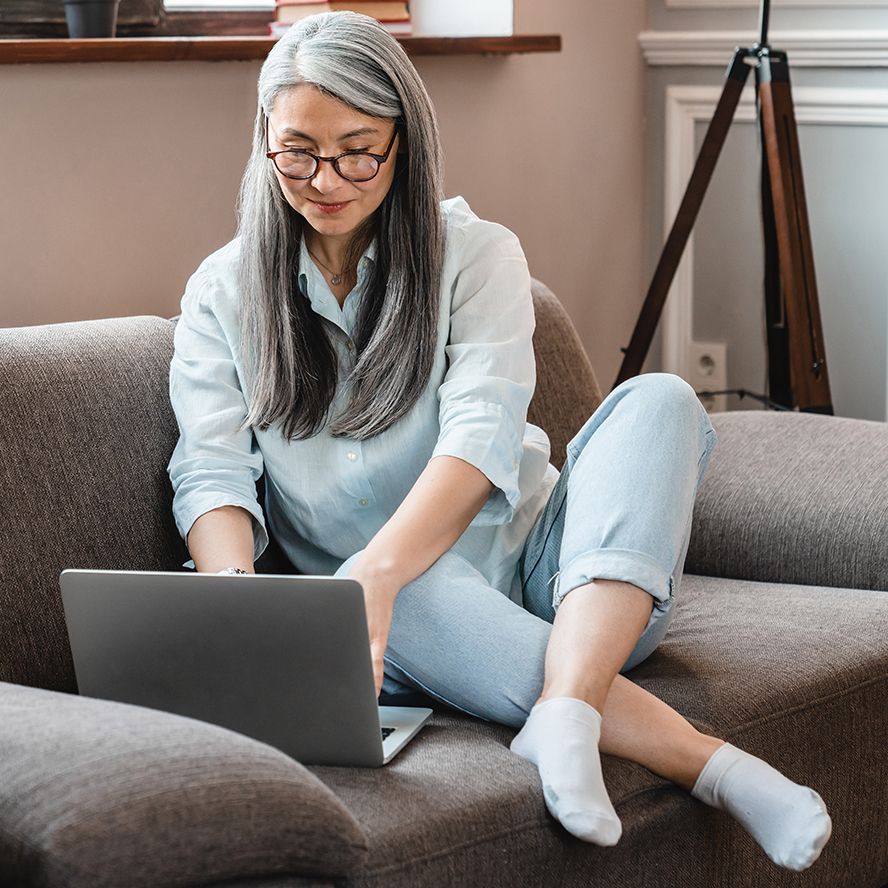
(377, 576)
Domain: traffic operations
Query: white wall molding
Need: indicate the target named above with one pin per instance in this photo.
(806, 49)
(686, 106)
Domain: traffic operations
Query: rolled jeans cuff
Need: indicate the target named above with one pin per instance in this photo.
(623, 565)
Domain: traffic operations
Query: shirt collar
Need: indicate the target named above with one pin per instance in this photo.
(314, 287)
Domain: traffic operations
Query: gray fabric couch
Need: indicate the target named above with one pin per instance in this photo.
(779, 645)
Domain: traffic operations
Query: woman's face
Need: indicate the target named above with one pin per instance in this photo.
(304, 117)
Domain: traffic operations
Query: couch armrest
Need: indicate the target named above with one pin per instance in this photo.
(794, 498)
(96, 794)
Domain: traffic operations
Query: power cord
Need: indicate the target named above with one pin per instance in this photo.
(742, 393)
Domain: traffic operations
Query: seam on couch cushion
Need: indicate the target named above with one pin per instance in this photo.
(818, 702)
(485, 839)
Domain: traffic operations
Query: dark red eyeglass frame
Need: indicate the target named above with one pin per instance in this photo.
(379, 158)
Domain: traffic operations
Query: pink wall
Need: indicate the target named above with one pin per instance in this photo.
(551, 145)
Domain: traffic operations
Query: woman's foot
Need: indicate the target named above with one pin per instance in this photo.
(789, 821)
(561, 738)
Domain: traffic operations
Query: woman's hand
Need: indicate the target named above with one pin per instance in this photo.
(440, 506)
(379, 601)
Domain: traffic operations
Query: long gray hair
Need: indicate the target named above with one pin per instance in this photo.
(292, 362)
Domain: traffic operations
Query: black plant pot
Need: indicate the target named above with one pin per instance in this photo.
(91, 18)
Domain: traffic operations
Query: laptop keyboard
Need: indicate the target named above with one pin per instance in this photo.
(386, 732)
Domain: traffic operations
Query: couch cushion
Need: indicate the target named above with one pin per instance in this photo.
(86, 430)
(798, 675)
(794, 498)
(795, 674)
(103, 795)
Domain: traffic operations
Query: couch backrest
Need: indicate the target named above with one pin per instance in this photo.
(86, 431)
(567, 392)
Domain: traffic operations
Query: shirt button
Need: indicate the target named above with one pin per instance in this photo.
(515, 464)
(350, 345)
(351, 456)
(363, 502)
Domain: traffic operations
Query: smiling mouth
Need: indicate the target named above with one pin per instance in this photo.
(330, 208)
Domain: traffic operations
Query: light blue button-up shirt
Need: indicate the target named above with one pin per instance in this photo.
(327, 497)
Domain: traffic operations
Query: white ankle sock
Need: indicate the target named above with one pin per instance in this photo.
(789, 821)
(561, 738)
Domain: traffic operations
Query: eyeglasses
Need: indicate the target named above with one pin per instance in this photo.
(355, 166)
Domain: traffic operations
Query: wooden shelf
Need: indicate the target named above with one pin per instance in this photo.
(239, 48)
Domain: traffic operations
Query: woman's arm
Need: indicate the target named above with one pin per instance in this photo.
(216, 461)
(222, 538)
(440, 506)
(483, 402)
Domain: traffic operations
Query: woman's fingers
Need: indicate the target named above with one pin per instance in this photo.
(379, 622)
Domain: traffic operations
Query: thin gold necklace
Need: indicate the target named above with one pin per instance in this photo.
(336, 278)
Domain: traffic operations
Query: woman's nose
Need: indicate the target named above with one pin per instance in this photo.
(326, 178)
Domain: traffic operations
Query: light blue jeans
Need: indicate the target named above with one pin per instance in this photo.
(621, 510)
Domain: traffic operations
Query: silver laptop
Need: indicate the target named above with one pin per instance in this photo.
(283, 659)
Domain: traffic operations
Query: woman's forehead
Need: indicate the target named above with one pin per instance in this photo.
(306, 110)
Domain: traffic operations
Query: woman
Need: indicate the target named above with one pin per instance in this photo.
(368, 348)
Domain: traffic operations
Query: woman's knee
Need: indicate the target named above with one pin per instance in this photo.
(654, 403)
(669, 406)
(662, 392)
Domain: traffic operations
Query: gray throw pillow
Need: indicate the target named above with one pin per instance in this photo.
(96, 794)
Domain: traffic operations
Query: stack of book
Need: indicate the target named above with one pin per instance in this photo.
(393, 14)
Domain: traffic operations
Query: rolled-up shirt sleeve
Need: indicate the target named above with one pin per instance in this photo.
(216, 462)
(490, 376)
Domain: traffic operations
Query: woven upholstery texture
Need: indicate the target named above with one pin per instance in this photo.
(86, 430)
(799, 676)
(772, 668)
(103, 795)
(567, 392)
(794, 498)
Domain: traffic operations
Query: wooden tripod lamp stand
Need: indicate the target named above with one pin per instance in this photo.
(797, 372)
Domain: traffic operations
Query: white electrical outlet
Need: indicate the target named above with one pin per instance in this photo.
(708, 372)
